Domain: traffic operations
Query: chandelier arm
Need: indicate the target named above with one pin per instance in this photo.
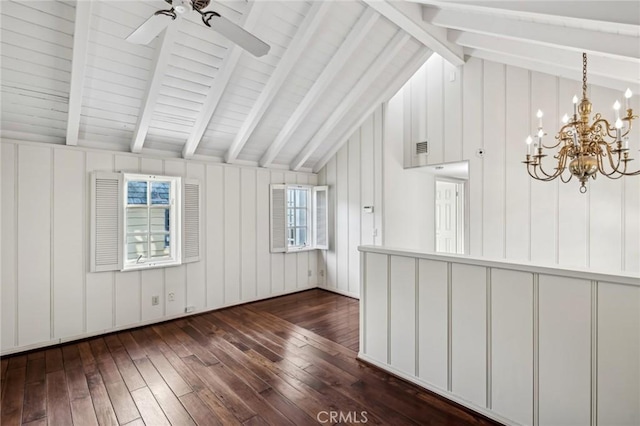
(614, 168)
(607, 127)
(543, 179)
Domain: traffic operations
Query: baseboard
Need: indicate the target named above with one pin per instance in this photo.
(64, 340)
(341, 292)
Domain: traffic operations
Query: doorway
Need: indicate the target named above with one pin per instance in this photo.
(449, 216)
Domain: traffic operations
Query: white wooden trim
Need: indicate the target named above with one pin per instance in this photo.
(78, 68)
(407, 16)
(608, 44)
(293, 53)
(622, 277)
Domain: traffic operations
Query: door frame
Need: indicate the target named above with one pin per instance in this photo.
(463, 212)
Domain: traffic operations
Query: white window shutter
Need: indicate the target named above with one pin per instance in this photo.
(192, 219)
(278, 202)
(321, 217)
(106, 243)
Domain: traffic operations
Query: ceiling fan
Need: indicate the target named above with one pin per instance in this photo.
(160, 20)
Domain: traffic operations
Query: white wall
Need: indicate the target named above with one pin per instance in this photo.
(524, 344)
(492, 106)
(47, 293)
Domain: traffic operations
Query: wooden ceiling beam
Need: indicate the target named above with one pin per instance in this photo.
(78, 69)
(359, 31)
(579, 39)
(408, 16)
(252, 17)
(624, 70)
(161, 62)
(294, 52)
(364, 83)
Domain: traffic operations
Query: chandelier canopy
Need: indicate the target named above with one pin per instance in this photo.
(585, 149)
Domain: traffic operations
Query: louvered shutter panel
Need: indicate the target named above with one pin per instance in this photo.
(321, 217)
(278, 218)
(106, 222)
(191, 215)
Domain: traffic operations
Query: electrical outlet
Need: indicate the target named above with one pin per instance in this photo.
(155, 300)
(172, 297)
(322, 272)
(309, 273)
(189, 309)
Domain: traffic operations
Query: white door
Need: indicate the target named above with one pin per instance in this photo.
(446, 217)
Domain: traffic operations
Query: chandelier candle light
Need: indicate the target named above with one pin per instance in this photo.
(585, 145)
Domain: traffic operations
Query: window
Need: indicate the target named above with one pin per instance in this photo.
(298, 218)
(152, 237)
(143, 221)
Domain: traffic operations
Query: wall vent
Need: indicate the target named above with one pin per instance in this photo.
(422, 148)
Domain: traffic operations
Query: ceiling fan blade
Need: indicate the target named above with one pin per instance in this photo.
(239, 36)
(149, 29)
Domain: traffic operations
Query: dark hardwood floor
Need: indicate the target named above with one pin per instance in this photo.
(283, 361)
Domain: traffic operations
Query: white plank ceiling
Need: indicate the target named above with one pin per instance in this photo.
(69, 76)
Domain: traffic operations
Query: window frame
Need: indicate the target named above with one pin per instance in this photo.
(175, 228)
(308, 208)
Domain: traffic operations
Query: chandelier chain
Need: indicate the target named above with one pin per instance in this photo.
(584, 75)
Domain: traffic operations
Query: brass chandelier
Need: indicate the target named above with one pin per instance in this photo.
(589, 149)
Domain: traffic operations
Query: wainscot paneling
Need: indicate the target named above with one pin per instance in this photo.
(523, 344)
(48, 295)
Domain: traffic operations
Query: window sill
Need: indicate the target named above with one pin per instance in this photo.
(154, 265)
(299, 249)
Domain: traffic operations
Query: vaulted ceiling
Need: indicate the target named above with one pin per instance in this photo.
(70, 77)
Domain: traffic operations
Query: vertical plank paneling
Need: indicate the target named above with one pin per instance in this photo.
(631, 205)
(452, 112)
(573, 207)
(512, 344)
(378, 185)
(196, 271)
(618, 354)
(331, 181)
(342, 219)
(232, 261)
(493, 203)
(248, 225)
(606, 243)
(376, 302)
(175, 286)
(214, 217)
(128, 298)
(473, 123)
(9, 288)
(435, 112)
(263, 259)
(367, 186)
(469, 332)
(128, 285)
(544, 195)
(354, 209)
(402, 314)
(152, 286)
(565, 351)
(34, 244)
(432, 322)
(516, 197)
(277, 259)
(312, 256)
(99, 289)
